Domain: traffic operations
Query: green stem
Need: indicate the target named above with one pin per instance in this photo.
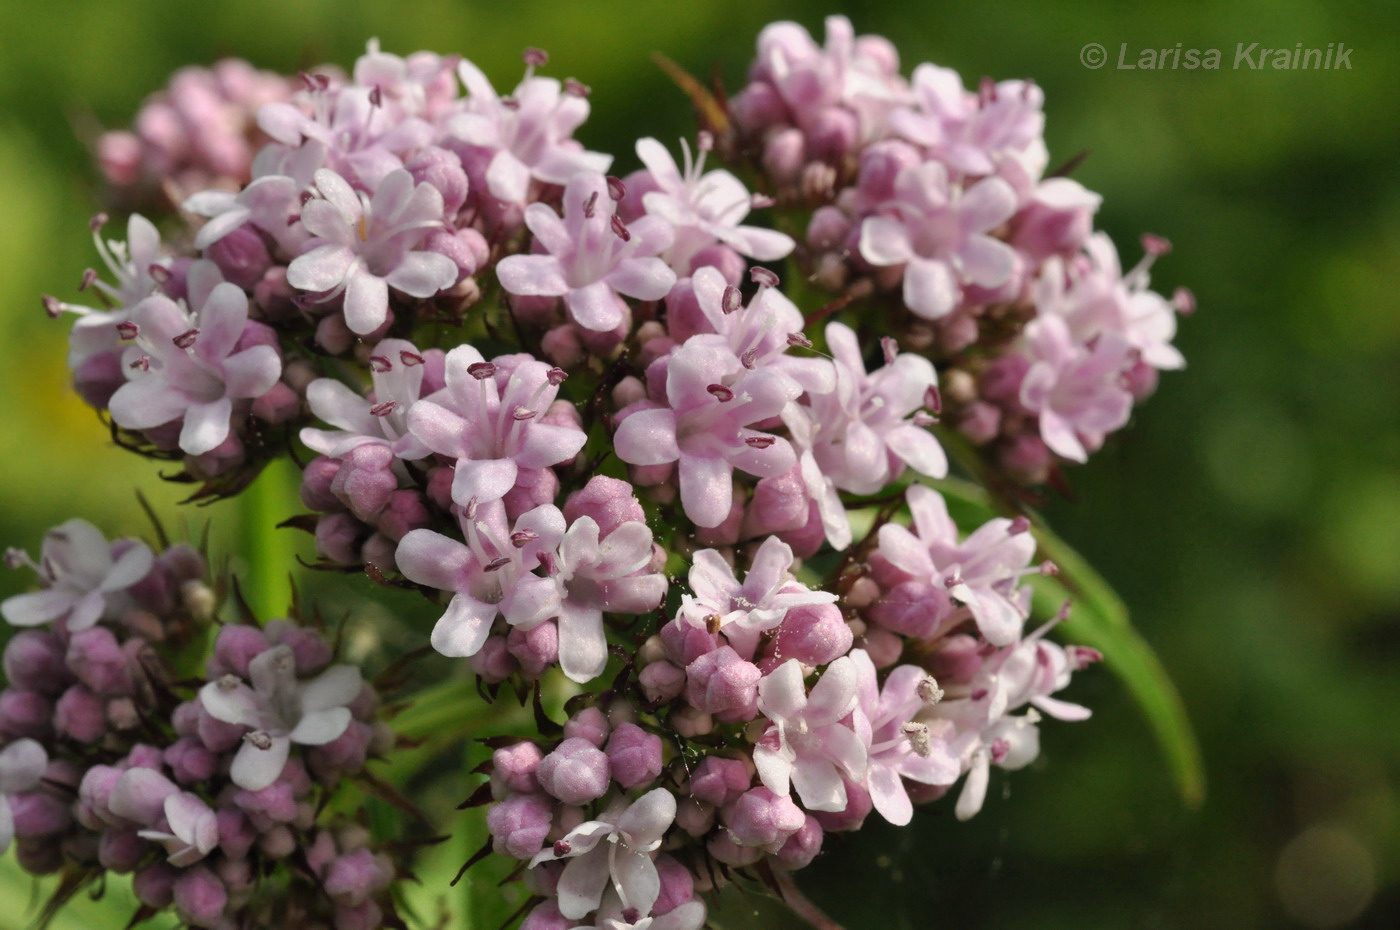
(271, 553)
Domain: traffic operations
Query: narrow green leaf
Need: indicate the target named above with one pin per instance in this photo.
(1100, 619)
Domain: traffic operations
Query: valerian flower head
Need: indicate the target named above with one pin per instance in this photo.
(704, 207)
(83, 576)
(491, 428)
(939, 232)
(981, 572)
(589, 257)
(380, 418)
(365, 245)
(619, 847)
(188, 367)
(1076, 390)
(805, 746)
(279, 710)
(973, 133)
(742, 612)
(714, 403)
(526, 136)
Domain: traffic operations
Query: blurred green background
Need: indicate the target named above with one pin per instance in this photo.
(1250, 516)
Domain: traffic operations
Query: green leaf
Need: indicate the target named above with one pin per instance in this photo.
(1100, 619)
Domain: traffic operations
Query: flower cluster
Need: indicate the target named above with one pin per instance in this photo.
(201, 800)
(586, 416)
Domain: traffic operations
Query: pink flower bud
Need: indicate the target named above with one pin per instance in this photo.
(784, 154)
(833, 134)
(802, 847)
(661, 681)
(534, 487)
(514, 767)
(278, 405)
(38, 813)
(723, 684)
(352, 878)
(316, 481)
(190, 762)
(235, 647)
(443, 170)
(337, 538)
(761, 818)
(728, 262)
(97, 377)
(366, 480)
(25, 713)
(695, 817)
(80, 715)
(200, 897)
(121, 850)
(723, 847)
(34, 661)
(536, 649)
(576, 772)
(519, 824)
(913, 608)
(677, 885)
(634, 755)
(236, 833)
(858, 805)
(309, 649)
(685, 643)
(591, 724)
(609, 501)
(348, 752)
(814, 634)
(494, 663)
(405, 511)
(241, 256)
(719, 781)
(546, 916)
(96, 659)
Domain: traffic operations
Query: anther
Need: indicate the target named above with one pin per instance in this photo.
(141, 364)
(576, 88)
(713, 622)
(562, 848)
(721, 393)
(128, 330)
(410, 359)
(159, 273)
(1019, 525)
(763, 277)
(761, 201)
(731, 300)
(999, 749)
(259, 739)
(523, 538)
(800, 340)
(89, 279)
(53, 307)
(1049, 568)
(616, 189)
(376, 97)
(1155, 245)
(380, 364)
(97, 222)
(749, 360)
(590, 206)
(705, 140)
(928, 690)
(481, 370)
(536, 57)
(760, 442)
(186, 339)
(497, 564)
(1184, 301)
(620, 228)
(891, 349)
(919, 739)
(556, 376)
(522, 413)
(384, 409)
(933, 400)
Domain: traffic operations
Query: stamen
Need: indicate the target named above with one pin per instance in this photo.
(128, 330)
(384, 409)
(1184, 301)
(760, 442)
(933, 400)
(732, 299)
(410, 359)
(1155, 245)
(620, 229)
(259, 739)
(496, 564)
(159, 273)
(713, 622)
(141, 364)
(798, 339)
(380, 364)
(761, 201)
(986, 92)
(522, 538)
(556, 376)
(616, 189)
(705, 141)
(590, 206)
(536, 57)
(576, 88)
(481, 370)
(521, 413)
(763, 277)
(891, 349)
(186, 339)
(721, 393)
(89, 279)
(97, 222)
(1019, 525)
(919, 739)
(53, 307)
(229, 682)
(749, 360)
(928, 690)
(999, 749)
(510, 103)
(376, 97)
(1049, 568)
(562, 848)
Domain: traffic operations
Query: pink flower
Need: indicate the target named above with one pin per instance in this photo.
(492, 429)
(867, 429)
(805, 746)
(973, 133)
(591, 257)
(746, 610)
(981, 572)
(707, 427)
(938, 231)
(188, 367)
(365, 245)
(900, 746)
(280, 710)
(191, 829)
(527, 135)
(1077, 390)
(81, 574)
(380, 418)
(268, 203)
(704, 207)
(620, 847)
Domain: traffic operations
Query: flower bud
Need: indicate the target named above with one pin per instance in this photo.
(366, 480)
(814, 634)
(121, 850)
(761, 818)
(493, 662)
(352, 878)
(634, 755)
(576, 772)
(200, 897)
(519, 825)
(154, 885)
(802, 847)
(38, 813)
(536, 649)
(661, 681)
(858, 806)
(34, 661)
(590, 724)
(513, 767)
(677, 885)
(96, 659)
(25, 713)
(723, 684)
(236, 646)
(720, 781)
(80, 715)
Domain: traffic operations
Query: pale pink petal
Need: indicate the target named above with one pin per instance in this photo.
(337, 686)
(532, 276)
(885, 241)
(254, 768)
(206, 425)
(423, 274)
(647, 437)
(320, 727)
(642, 278)
(486, 480)
(22, 764)
(434, 560)
(888, 795)
(929, 288)
(596, 306)
(146, 402)
(36, 608)
(581, 885)
(463, 628)
(818, 784)
(130, 567)
(366, 302)
(321, 269)
(583, 648)
(781, 693)
(919, 450)
(834, 694)
(252, 372)
(707, 489)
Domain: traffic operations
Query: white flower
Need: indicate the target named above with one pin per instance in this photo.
(79, 573)
(22, 764)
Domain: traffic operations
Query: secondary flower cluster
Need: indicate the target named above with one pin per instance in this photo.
(105, 768)
(581, 413)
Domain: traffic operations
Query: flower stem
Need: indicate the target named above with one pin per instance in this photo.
(271, 552)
